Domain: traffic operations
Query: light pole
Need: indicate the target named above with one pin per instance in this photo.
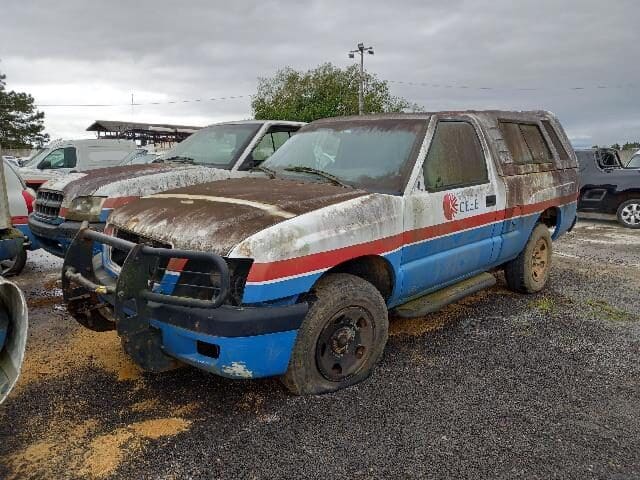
(360, 50)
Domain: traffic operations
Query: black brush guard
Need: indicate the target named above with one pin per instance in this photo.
(131, 295)
(85, 289)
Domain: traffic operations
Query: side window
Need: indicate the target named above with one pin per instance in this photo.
(536, 143)
(279, 138)
(607, 159)
(562, 153)
(263, 150)
(266, 147)
(526, 143)
(455, 158)
(59, 158)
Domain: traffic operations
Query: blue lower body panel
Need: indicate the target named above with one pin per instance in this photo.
(236, 357)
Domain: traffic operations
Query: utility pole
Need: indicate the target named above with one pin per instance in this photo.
(360, 50)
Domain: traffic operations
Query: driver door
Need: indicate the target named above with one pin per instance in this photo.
(451, 218)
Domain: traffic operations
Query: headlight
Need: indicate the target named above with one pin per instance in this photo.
(85, 208)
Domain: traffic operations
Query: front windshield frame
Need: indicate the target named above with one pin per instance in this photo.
(416, 126)
(181, 149)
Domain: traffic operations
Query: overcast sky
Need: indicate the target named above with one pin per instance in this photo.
(80, 51)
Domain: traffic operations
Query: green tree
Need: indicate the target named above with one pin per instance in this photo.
(325, 91)
(21, 125)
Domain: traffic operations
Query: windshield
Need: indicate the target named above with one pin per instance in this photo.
(33, 161)
(216, 146)
(376, 155)
(634, 162)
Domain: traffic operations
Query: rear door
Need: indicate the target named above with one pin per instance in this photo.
(453, 214)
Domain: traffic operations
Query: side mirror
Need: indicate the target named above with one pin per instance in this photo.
(45, 165)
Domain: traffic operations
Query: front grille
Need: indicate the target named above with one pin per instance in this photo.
(118, 256)
(196, 279)
(48, 204)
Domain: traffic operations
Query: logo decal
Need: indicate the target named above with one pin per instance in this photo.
(450, 206)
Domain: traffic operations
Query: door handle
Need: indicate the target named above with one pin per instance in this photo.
(491, 200)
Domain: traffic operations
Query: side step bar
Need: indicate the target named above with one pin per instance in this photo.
(433, 302)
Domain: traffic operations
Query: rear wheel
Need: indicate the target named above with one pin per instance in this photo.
(529, 271)
(629, 213)
(342, 337)
(13, 266)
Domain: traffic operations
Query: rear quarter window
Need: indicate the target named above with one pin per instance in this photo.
(525, 143)
(551, 132)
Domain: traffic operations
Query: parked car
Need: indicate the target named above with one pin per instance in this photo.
(21, 200)
(294, 274)
(608, 187)
(216, 152)
(13, 308)
(76, 156)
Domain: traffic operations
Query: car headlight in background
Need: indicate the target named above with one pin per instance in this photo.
(85, 208)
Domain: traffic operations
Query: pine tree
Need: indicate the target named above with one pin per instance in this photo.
(21, 125)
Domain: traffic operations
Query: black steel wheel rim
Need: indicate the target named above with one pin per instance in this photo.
(345, 343)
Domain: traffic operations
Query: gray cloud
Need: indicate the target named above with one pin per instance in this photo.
(85, 52)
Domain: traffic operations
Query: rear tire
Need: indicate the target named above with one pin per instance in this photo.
(529, 271)
(15, 265)
(342, 337)
(629, 213)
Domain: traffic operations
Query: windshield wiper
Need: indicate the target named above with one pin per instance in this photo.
(267, 170)
(332, 178)
(179, 159)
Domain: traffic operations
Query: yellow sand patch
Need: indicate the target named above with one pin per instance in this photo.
(83, 348)
(81, 451)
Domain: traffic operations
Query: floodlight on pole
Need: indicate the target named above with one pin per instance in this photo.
(360, 51)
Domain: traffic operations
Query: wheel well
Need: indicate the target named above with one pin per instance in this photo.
(626, 195)
(550, 217)
(372, 268)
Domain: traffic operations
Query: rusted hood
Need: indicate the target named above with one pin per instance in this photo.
(93, 180)
(216, 216)
(141, 180)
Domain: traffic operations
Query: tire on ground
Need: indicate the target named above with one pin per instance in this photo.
(628, 213)
(525, 273)
(19, 261)
(336, 293)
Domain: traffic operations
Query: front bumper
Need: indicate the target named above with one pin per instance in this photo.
(156, 328)
(56, 238)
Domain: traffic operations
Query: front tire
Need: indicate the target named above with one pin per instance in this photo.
(629, 213)
(342, 337)
(529, 271)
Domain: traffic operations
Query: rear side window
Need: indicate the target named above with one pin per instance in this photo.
(455, 158)
(526, 143)
(562, 153)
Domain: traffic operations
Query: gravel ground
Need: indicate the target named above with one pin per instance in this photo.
(498, 385)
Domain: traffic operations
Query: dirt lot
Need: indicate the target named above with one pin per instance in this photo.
(496, 386)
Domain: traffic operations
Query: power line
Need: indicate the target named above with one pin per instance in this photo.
(521, 89)
(398, 82)
(133, 104)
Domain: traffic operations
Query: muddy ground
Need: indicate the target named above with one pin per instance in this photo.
(498, 385)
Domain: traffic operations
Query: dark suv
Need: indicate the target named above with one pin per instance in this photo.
(606, 186)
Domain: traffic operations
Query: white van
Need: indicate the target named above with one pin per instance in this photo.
(77, 156)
